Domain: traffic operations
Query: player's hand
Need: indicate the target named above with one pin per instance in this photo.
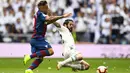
(67, 15)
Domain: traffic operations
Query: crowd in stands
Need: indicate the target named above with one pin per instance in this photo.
(96, 21)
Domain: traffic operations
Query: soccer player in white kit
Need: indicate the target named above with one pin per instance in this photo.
(72, 57)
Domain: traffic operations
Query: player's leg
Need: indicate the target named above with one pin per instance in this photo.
(43, 47)
(81, 65)
(86, 64)
(34, 65)
(28, 57)
(73, 57)
(36, 62)
(43, 53)
(39, 50)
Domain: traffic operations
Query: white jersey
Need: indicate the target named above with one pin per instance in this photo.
(67, 38)
(68, 42)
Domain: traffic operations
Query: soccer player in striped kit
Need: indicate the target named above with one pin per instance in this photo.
(39, 47)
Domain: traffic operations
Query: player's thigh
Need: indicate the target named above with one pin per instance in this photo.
(33, 48)
(44, 45)
(79, 56)
(66, 54)
(84, 63)
(75, 53)
(70, 53)
(39, 44)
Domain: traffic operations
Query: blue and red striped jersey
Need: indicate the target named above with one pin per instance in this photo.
(40, 27)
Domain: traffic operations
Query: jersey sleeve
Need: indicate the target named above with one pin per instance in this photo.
(62, 29)
(42, 16)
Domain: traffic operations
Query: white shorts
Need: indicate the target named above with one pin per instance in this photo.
(68, 52)
(71, 53)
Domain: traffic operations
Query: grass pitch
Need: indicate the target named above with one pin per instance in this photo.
(15, 65)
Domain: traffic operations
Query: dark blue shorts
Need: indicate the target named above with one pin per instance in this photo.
(39, 44)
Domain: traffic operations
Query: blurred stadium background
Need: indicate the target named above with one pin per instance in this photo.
(102, 33)
(97, 21)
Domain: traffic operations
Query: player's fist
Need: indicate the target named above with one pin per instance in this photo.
(67, 15)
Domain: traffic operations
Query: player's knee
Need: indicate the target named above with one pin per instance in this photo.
(79, 57)
(41, 58)
(87, 67)
(51, 52)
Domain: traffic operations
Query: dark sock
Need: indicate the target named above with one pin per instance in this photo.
(41, 53)
(35, 64)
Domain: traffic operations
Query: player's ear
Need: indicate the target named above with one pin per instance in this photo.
(65, 25)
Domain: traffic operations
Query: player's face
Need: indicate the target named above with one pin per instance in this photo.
(44, 8)
(70, 26)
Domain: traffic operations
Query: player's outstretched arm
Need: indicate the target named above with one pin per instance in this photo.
(52, 19)
(57, 24)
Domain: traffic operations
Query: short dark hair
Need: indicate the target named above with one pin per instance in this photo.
(67, 21)
(42, 3)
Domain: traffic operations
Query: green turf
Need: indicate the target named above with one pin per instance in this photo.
(16, 66)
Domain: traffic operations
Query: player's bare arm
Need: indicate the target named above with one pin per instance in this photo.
(57, 24)
(51, 19)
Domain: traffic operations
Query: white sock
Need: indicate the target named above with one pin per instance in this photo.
(76, 66)
(71, 59)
